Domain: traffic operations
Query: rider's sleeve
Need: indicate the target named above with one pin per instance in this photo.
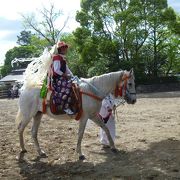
(68, 71)
(57, 66)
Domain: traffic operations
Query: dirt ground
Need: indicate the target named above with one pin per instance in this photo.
(148, 140)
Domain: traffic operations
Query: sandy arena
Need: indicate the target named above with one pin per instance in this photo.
(148, 140)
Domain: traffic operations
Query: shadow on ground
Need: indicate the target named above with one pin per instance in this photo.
(160, 161)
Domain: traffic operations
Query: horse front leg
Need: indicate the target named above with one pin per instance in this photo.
(34, 132)
(101, 124)
(82, 125)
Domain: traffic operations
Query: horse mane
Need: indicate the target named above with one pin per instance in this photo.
(111, 75)
(104, 81)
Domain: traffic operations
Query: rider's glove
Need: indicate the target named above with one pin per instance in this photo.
(69, 76)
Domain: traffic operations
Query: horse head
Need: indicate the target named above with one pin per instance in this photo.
(126, 87)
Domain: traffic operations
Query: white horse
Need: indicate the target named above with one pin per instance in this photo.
(30, 101)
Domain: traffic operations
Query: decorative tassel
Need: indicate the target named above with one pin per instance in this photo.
(53, 108)
(120, 92)
(44, 105)
(116, 93)
(79, 115)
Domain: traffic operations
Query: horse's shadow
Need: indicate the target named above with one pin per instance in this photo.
(160, 161)
(45, 170)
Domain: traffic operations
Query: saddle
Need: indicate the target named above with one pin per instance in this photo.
(75, 105)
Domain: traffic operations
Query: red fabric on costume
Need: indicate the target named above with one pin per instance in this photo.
(57, 57)
(62, 62)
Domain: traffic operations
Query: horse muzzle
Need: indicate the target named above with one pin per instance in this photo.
(130, 99)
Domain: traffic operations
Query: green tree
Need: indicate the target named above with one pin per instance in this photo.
(77, 67)
(172, 61)
(24, 38)
(125, 34)
(115, 31)
(157, 34)
(94, 39)
(39, 44)
(17, 52)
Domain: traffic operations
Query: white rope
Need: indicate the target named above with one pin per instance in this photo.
(117, 103)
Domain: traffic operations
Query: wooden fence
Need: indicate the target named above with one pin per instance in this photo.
(4, 93)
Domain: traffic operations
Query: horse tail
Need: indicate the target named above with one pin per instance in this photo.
(18, 118)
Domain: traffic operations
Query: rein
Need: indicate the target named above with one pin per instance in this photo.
(121, 88)
(119, 91)
(91, 95)
(79, 114)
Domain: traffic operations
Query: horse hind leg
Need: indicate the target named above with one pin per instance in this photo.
(22, 123)
(34, 132)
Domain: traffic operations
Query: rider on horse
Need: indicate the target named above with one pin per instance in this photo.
(61, 79)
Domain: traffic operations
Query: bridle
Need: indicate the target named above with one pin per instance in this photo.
(121, 87)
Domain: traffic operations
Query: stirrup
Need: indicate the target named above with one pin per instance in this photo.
(68, 111)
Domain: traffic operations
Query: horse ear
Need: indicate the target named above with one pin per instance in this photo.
(131, 71)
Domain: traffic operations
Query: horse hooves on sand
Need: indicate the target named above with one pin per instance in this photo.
(104, 147)
(43, 155)
(21, 155)
(82, 157)
(114, 150)
(23, 151)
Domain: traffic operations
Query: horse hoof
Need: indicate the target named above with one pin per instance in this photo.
(114, 150)
(82, 157)
(105, 147)
(23, 151)
(43, 155)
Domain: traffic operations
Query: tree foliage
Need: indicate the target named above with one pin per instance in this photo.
(113, 35)
(18, 52)
(24, 38)
(120, 34)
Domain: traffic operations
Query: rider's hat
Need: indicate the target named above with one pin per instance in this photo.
(61, 44)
